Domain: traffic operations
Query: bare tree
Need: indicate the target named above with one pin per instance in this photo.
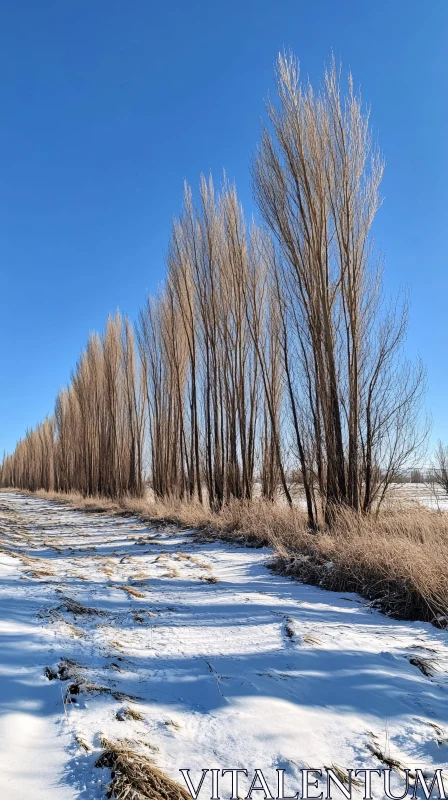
(439, 473)
(316, 178)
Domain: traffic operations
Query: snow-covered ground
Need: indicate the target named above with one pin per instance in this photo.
(425, 494)
(226, 664)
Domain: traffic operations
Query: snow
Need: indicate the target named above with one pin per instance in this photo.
(253, 670)
(425, 494)
(32, 734)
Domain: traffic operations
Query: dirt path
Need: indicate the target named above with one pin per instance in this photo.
(197, 654)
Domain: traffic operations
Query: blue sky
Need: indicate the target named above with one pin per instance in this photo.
(107, 106)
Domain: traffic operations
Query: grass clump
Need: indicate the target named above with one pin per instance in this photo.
(129, 713)
(132, 591)
(134, 775)
(76, 608)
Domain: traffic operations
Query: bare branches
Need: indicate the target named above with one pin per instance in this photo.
(316, 178)
(201, 369)
(267, 351)
(439, 473)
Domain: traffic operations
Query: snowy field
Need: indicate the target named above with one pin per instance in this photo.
(423, 493)
(197, 654)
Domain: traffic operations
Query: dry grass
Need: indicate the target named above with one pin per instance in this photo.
(398, 559)
(76, 608)
(172, 573)
(68, 670)
(429, 667)
(107, 571)
(129, 713)
(390, 762)
(133, 592)
(134, 776)
(82, 743)
(71, 630)
(343, 775)
(308, 639)
(40, 573)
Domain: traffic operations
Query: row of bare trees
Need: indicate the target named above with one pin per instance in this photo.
(94, 442)
(269, 351)
(198, 357)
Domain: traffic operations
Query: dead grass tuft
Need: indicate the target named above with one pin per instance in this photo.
(390, 762)
(82, 743)
(84, 686)
(172, 573)
(75, 608)
(134, 775)
(308, 639)
(343, 775)
(40, 573)
(133, 592)
(129, 713)
(68, 670)
(429, 667)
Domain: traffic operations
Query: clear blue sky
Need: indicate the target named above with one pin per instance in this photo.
(107, 106)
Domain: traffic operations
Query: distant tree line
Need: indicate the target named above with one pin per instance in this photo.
(94, 441)
(269, 352)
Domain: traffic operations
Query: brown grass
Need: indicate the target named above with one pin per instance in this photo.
(129, 713)
(107, 571)
(134, 776)
(390, 762)
(40, 573)
(399, 560)
(82, 743)
(308, 639)
(172, 573)
(133, 592)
